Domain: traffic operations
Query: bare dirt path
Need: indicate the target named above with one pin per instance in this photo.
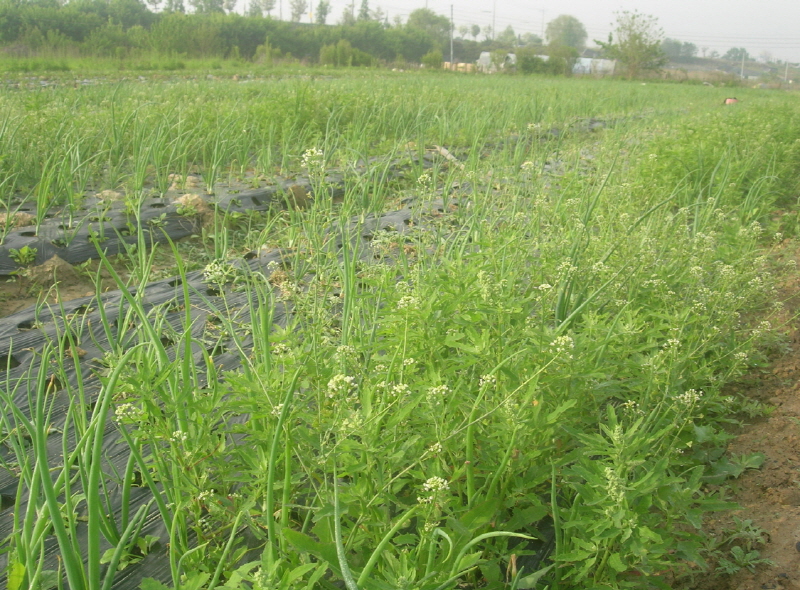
(770, 496)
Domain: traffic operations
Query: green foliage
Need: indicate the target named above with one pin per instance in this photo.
(343, 55)
(24, 256)
(435, 26)
(528, 61)
(566, 30)
(678, 51)
(637, 45)
(736, 54)
(433, 60)
(540, 363)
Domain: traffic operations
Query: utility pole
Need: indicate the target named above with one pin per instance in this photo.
(744, 52)
(494, 22)
(451, 37)
(542, 25)
(786, 73)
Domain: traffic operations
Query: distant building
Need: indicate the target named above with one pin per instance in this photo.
(596, 67)
(485, 64)
(583, 65)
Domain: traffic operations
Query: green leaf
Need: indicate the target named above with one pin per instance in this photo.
(108, 555)
(195, 581)
(301, 541)
(646, 533)
(526, 518)
(16, 573)
(532, 580)
(300, 571)
(615, 561)
(152, 584)
(469, 560)
(324, 551)
(481, 514)
(577, 555)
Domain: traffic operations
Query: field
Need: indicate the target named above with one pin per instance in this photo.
(385, 330)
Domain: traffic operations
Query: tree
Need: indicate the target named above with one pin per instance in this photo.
(463, 31)
(566, 30)
(363, 11)
(531, 40)
(297, 9)
(638, 43)
(475, 31)
(487, 32)
(677, 50)
(437, 27)
(207, 6)
(736, 54)
(508, 37)
(323, 10)
(174, 6)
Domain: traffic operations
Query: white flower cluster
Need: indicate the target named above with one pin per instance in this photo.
(313, 160)
(179, 436)
(433, 486)
(401, 389)
(408, 302)
(353, 423)
(487, 380)
(341, 385)
(220, 272)
(690, 397)
(280, 348)
(563, 344)
(345, 351)
(672, 343)
(527, 166)
(128, 412)
(437, 394)
(435, 448)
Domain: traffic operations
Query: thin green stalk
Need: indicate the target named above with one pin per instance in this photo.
(269, 508)
(373, 558)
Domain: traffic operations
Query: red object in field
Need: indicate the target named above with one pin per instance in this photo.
(731, 101)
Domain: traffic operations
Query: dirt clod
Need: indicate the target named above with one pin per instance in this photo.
(18, 219)
(54, 271)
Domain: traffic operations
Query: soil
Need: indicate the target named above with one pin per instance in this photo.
(770, 496)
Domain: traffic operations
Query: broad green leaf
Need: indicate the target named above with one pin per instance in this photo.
(16, 573)
(152, 584)
(195, 581)
(615, 561)
(532, 580)
(300, 571)
(469, 560)
(577, 555)
(481, 514)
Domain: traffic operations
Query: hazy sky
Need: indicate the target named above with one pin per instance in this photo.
(758, 25)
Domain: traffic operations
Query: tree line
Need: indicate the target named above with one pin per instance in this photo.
(130, 29)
